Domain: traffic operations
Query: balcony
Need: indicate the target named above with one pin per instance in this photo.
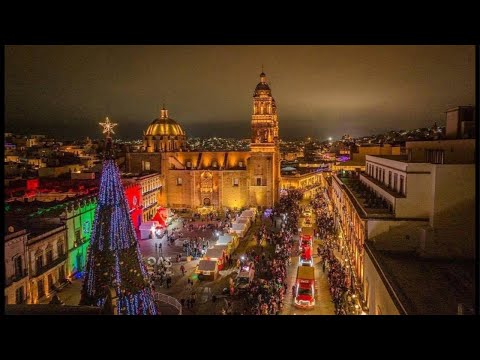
(17, 277)
(49, 266)
(381, 187)
(365, 200)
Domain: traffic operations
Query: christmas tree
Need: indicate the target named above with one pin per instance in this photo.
(114, 263)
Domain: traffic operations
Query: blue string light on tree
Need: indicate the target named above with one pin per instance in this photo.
(114, 260)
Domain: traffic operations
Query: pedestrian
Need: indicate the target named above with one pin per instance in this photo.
(156, 247)
(160, 248)
(182, 269)
(293, 290)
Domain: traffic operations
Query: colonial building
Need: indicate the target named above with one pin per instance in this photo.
(16, 274)
(214, 179)
(77, 214)
(405, 215)
(47, 259)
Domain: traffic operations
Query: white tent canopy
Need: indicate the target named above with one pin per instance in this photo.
(248, 213)
(239, 228)
(224, 239)
(146, 228)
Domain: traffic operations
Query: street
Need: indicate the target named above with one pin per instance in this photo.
(323, 299)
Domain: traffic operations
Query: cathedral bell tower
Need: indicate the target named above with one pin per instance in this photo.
(264, 163)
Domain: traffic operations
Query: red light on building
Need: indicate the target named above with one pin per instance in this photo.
(32, 184)
(133, 193)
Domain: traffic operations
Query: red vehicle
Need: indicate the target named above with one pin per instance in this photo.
(306, 258)
(305, 287)
(306, 238)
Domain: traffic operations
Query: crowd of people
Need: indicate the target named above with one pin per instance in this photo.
(336, 272)
(195, 247)
(268, 289)
(325, 224)
(159, 274)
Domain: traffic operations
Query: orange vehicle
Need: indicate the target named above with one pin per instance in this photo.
(305, 287)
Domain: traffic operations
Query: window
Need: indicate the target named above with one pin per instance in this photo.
(240, 164)
(19, 298)
(434, 156)
(60, 248)
(189, 164)
(259, 181)
(77, 237)
(179, 181)
(395, 181)
(49, 255)
(50, 282)
(146, 165)
(389, 179)
(18, 266)
(40, 288)
(214, 164)
(61, 273)
(236, 182)
(38, 263)
(402, 180)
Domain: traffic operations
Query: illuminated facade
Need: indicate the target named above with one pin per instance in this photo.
(78, 217)
(421, 204)
(309, 182)
(133, 194)
(47, 260)
(214, 179)
(16, 274)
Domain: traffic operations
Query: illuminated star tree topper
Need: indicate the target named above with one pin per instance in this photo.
(108, 127)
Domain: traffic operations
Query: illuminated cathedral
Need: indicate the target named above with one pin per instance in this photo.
(214, 179)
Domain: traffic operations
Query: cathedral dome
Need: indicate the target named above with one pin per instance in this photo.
(164, 126)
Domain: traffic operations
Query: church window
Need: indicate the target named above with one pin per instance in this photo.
(179, 181)
(236, 182)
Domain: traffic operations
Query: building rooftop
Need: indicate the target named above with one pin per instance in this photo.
(402, 158)
(36, 228)
(37, 208)
(428, 286)
(360, 197)
(18, 228)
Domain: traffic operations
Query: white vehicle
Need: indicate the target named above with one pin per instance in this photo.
(242, 282)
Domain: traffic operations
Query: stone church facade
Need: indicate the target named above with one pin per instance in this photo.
(214, 179)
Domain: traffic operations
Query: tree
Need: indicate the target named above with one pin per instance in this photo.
(114, 259)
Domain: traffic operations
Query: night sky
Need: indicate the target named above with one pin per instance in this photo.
(320, 91)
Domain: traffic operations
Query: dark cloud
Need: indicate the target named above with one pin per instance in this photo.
(320, 90)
